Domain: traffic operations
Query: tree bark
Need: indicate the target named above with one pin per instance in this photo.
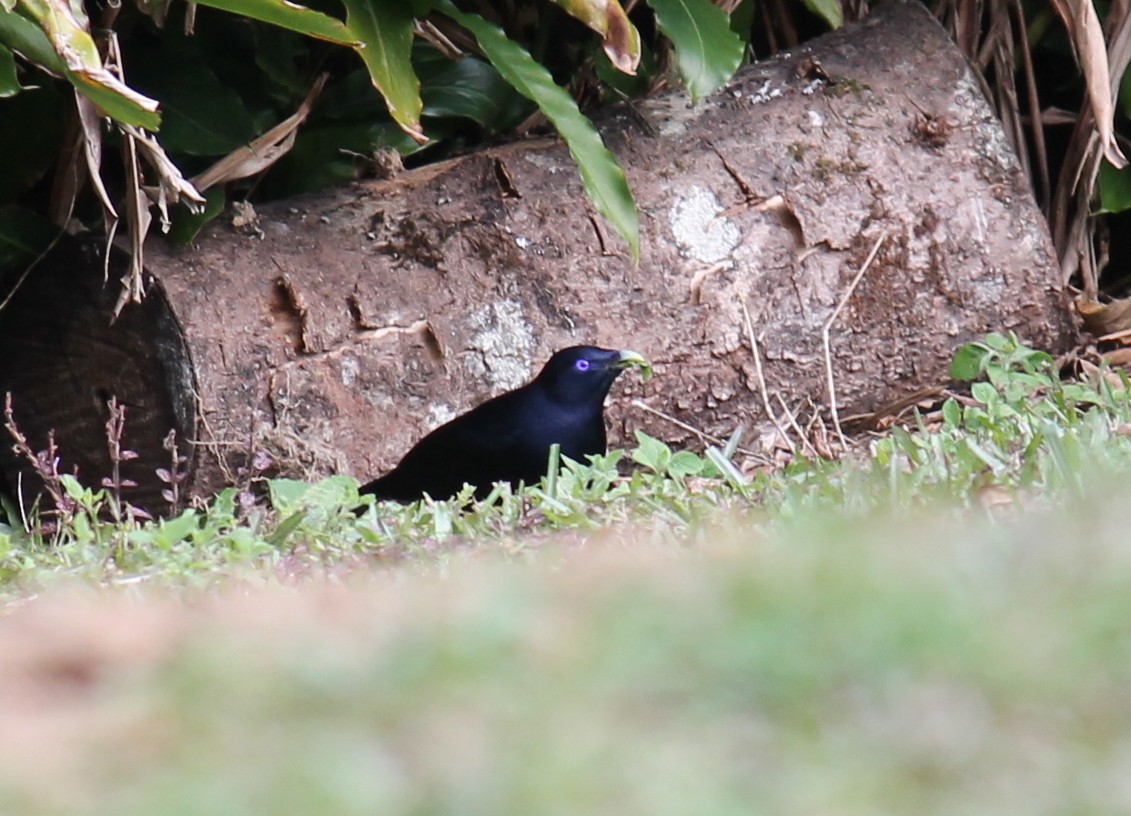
(346, 324)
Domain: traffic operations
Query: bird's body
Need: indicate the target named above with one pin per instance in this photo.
(508, 438)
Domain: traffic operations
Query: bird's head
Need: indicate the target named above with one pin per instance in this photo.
(584, 374)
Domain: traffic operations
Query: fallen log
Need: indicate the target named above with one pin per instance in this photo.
(858, 189)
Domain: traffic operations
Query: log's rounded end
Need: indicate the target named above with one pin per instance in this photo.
(64, 358)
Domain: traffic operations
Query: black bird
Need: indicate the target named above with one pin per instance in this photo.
(508, 438)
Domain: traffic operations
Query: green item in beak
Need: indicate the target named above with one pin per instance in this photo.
(632, 359)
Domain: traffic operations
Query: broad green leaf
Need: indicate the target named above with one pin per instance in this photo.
(27, 161)
(469, 87)
(967, 363)
(631, 85)
(289, 15)
(186, 223)
(1115, 188)
(202, 115)
(9, 82)
(685, 463)
(828, 10)
(70, 39)
(285, 493)
(383, 29)
(620, 39)
(742, 19)
(985, 393)
(952, 413)
(69, 34)
(603, 178)
(117, 100)
(287, 526)
(51, 37)
(278, 54)
(707, 51)
(24, 37)
(651, 453)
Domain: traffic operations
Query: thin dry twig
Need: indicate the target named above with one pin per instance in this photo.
(806, 445)
(643, 406)
(1040, 154)
(762, 378)
(825, 335)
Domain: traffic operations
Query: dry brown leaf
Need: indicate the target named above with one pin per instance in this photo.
(1119, 357)
(994, 498)
(263, 151)
(138, 219)
(621, 42)
(1086, 35)
(91, 121)
(1105, 318)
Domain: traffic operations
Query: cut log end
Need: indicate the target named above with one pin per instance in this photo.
(66, 357)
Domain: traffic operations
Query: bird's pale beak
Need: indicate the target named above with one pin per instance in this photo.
(630, 359)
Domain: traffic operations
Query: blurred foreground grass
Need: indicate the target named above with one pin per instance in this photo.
(940, 626)
(896, 666)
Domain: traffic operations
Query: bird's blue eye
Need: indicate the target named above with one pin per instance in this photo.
(581, 365)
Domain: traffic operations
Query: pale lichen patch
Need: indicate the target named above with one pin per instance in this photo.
(698, 228)
(504, 340)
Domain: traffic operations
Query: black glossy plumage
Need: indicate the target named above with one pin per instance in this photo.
(508, 438)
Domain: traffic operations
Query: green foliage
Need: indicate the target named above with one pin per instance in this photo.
(818, 664)
(604, 180)
(828, 10)
(1115, 189)
(384, 27)
(707, 51)
(1022, 431)
(9, 82)
(231, 81)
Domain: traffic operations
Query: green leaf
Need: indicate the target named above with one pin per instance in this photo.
(1115, 188)
(186, 223)
(621, 40)
(602, 177)
(56, 39)
(828, 10)
(968, 361)
(985, 455)
(23, 36)
(285, 493)
(469, 88)
(742, 19)
(707, 51)
(952, 413)
(631, 85)
(178, 529)
(726, 467)
(203, 116)
(115, 99)
(384, 31)
(985, 393)
(285, 528)
(27, 161)
(651, 453)
(279, 55)
(291, 16)
(9, 82)
(685, 463)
